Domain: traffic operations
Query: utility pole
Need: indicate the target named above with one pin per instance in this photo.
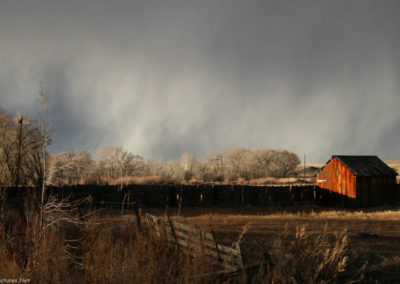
(304, 166)
(45, 139)
(19, 139)
(45, 128)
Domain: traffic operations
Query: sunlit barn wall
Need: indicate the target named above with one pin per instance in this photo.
(337, 178)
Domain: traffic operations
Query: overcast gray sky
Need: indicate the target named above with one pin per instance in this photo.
(163, 77)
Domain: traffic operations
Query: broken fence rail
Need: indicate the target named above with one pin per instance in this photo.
(189, 238)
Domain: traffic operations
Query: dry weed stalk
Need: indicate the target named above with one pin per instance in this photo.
(308, 258)
(40, 243)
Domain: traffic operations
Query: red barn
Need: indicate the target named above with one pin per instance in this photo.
(367, 180)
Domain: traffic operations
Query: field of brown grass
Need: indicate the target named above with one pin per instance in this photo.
(373, 236)
(303, 244)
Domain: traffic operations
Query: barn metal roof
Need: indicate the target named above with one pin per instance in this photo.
(366, 165)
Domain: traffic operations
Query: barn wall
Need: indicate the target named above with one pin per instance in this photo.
(339, 179)
(390, 190)
(362, 191)
(373, 191)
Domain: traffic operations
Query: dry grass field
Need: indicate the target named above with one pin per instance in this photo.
(304, 244)
(373, 237)
(293, 244)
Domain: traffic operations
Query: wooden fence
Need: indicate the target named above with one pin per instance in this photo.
(204, 195)
(190, 239)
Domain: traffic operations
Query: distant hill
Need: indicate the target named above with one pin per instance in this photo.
(310, 170)
(395, 164)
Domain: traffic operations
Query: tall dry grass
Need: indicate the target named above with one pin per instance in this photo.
(70, 248)
(36, 243)
(307, 258)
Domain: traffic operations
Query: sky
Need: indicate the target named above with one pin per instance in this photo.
(162, 77)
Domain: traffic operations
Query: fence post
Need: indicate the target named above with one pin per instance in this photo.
(173, 232)
(216, 245)
(137, 215)
(239, 254)
(123, 203)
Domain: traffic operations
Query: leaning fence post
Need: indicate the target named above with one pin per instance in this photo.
(123, 203)
(239, 254)
(127, 204)
(173, 232)
(216, 245)
(137, 215)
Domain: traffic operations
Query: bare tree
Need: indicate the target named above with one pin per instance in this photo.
(260, 163)
(84, 165)
(69, 167)
(175, 170)
(20, 150)
(114, 162)
(283, 163)
(202, 171)
(215, 163)
(6, 144)
(154, 167)
(237, 163)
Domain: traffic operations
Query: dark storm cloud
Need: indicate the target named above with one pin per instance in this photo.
(163, 77)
